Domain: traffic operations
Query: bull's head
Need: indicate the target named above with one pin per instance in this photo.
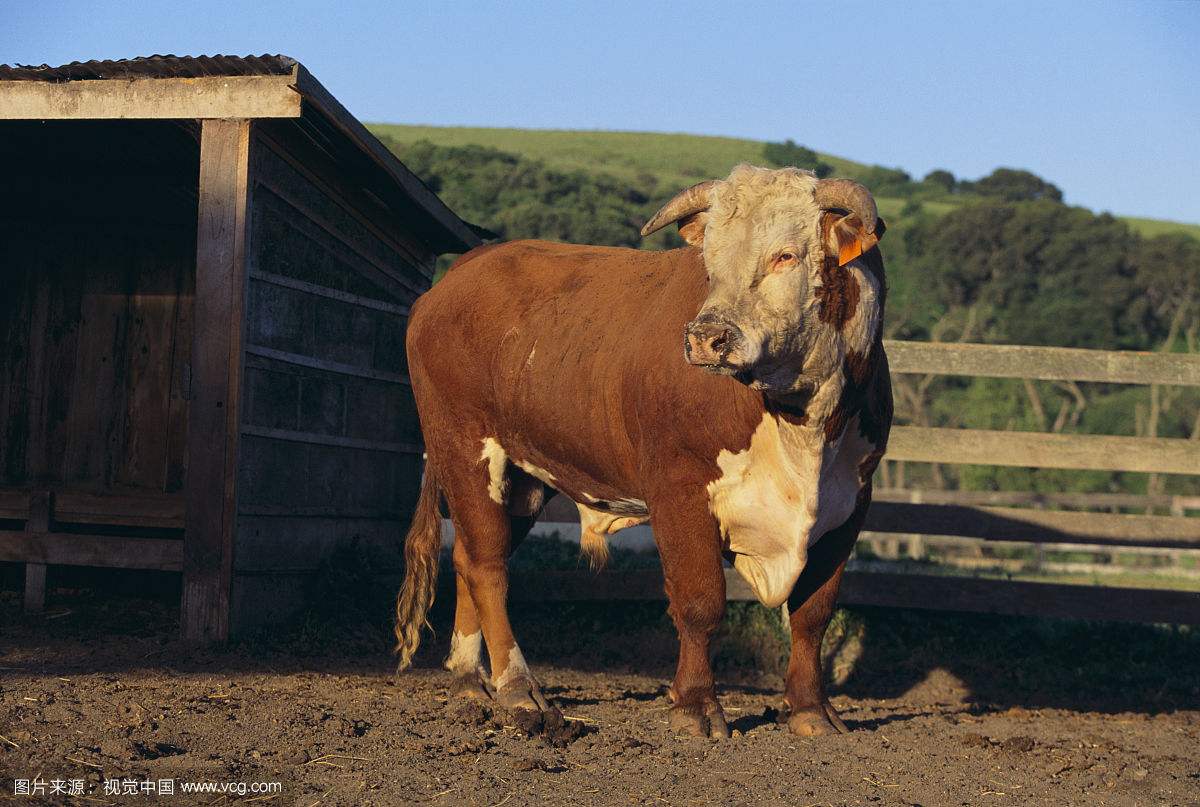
(770, 239)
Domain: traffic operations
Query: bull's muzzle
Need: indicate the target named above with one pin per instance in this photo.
(713, 342)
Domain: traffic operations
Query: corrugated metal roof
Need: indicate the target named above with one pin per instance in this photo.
(153, 67)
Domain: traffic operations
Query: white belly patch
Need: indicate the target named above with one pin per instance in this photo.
(778, 497)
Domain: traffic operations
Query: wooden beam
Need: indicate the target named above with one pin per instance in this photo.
(217, 360)
(1079, 501)
(159, 510)
(41, 509)
(1041, 450)
(331, 294)
(104, 551)
(338, 367)
(14, 504)
(35, 588)
(932, 592)
(1044, 363)
(1035, 526)
(171, 98)
(312, 438)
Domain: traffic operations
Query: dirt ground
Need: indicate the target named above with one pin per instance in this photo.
(942, 714)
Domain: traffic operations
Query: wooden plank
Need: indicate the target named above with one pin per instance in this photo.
(1043, 363)
(301, 360)
(96, 419)
(41, 509)
(332, 294)
(332, 440)
(1040, 450)
(35, 588)
(932, 592)
(147, 363)
(171, 98)
(214, 411)
(14, 504)
(81, 549)
(19, 257)
(140, 510)
(71, 253)
(1093, 501)
(1036, 526)
(175, 470)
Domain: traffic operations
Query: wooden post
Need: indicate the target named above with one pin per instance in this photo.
(41, 503)
(218, 324)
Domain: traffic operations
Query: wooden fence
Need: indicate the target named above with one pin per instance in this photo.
(995, 516)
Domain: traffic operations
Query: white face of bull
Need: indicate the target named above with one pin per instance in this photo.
(764, 250)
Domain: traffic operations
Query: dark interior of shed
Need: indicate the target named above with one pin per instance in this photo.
(97, 265)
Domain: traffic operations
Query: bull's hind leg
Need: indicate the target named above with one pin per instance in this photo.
(466, 643)
(477, 492)
(811, 603)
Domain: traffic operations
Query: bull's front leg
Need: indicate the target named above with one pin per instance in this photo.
(689, 545)
(811, 604)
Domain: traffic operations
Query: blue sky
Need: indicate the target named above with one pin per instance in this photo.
(1101, 98)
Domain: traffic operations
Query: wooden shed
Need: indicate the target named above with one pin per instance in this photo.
(206, 266)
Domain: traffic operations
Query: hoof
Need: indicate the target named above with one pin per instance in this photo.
(524, 694)
(816, 721)
(471, 686)
(704, 720)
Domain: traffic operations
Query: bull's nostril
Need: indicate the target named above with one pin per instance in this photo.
(719, 342)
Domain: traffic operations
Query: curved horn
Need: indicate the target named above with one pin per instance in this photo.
(685, 203)
(848, 195)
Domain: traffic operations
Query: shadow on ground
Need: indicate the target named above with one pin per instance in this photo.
(109, 622)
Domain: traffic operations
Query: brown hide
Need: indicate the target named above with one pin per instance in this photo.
(571, 357)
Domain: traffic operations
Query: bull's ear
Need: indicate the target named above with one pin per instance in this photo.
(691, 228)
(846, 237)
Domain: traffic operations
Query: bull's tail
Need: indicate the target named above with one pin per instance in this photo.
(422, 550)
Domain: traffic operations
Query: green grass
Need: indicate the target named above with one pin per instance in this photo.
(672, 160)
(1152, 227)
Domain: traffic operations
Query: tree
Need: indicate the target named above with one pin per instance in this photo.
(887, 181)
(941, 179)
(1015, 185)
(790, 153)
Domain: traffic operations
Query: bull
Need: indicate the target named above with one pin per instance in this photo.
(733, 393)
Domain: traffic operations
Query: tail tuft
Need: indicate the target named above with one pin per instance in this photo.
(594, 546)
(422, 551)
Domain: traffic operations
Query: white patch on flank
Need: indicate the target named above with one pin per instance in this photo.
(517, 668)
(495, 457)
(466, 653)
(778, 497)
(540, 474)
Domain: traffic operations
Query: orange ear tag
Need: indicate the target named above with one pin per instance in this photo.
(849, 252)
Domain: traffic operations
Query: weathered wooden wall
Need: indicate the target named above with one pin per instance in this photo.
(330, 443)
(95, 305)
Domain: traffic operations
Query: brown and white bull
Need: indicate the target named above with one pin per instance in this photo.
(733, 393)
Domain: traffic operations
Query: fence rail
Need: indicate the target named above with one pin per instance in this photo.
(1043, 363)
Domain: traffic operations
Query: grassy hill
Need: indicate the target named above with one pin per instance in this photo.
(672, 160)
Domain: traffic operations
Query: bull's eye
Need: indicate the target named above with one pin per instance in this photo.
(783, 260)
